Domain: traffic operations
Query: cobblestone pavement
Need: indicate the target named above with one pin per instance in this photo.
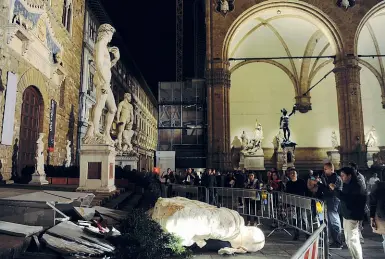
(280, 245)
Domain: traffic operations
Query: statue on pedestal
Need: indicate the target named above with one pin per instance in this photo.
(104, 96)
(371, 138)
(284, 122)
(68, 154)
(125, 118)
(39, 168)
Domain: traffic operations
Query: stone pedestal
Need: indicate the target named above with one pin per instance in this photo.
(241, 160)
(126, 160)
(334, 157)
(97, 168)
(255, 161)
(369, 155)
(286, 157)
(38, 180)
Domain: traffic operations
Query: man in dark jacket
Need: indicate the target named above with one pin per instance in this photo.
(377, 209)
(332, 204)
(353, 200)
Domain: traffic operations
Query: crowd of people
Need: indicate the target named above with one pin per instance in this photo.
(349, 198)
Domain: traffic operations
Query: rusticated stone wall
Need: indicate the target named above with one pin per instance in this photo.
(65, 94)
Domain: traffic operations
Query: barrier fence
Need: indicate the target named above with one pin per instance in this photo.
(285, 210)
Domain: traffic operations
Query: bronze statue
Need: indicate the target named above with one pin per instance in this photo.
(284, 122)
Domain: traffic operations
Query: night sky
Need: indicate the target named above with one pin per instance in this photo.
(148, 28)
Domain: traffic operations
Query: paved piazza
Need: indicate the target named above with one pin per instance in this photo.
(280, 245)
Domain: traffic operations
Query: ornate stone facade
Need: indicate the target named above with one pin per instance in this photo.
(43, 55)
(342, 28)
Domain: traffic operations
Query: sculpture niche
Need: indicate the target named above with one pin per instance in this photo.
(104, 96)
(125, 118)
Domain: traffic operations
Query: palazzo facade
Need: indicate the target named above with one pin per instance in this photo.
(350, 45)
(126, 78)
(40, 63)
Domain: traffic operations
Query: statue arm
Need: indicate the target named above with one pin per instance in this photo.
(280, 123)
(115, 51)
(293, 111)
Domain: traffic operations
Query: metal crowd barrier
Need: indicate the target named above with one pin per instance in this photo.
(314, 246)
(199, 193)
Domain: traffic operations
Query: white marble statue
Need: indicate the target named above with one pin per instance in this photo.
(371, 138)
(245, 140)
(104, 96)
(68, 154)
(335, 143)
(125, 118)
(39, 167)
(255, 144)
(196, 222)
(277, 141)
(258, 132)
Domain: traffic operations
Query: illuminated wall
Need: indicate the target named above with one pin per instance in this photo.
(372, 42)
(260, 91)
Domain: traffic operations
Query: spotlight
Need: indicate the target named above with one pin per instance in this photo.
(279, 12)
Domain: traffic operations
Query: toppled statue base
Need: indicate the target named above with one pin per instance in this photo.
(196, 222)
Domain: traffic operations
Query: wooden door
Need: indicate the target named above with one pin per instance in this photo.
(30, 126)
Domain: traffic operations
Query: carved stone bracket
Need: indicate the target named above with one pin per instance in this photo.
(303, 103)
(219, 76)
(15, 30)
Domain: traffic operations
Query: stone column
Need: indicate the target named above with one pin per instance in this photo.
(347, 74)
(218, 117)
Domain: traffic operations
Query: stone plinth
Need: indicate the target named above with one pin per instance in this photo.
(369, 155)
(126, 160)
(38, 180)
(286, 157)
(254, 161)
(334, 157)
(97, 168)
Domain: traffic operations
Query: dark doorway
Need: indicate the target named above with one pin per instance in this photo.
(30, 126)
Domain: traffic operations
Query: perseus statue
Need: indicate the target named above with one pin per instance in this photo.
(284, 122)
(104, 95)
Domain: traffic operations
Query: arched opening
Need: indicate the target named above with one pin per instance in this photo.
(370, 46)
(30, 126)
(260, 88)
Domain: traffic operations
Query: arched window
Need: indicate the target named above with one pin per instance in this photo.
(67, 15)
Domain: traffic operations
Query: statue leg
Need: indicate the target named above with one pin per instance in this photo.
(120, 134)
(288, 133)
(98, 109)
(111, 107)
(284, 133)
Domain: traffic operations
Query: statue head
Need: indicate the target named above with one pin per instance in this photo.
(128, 97)
(105, 31)
(284, 112)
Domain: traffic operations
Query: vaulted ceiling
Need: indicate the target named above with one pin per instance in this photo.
(283, 33)
(371, 41)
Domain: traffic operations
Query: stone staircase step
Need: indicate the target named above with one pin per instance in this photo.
(117, 201)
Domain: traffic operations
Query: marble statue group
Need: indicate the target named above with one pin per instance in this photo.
(105, 98)
(250, 147)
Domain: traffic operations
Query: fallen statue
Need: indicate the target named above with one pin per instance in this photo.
(196, 222)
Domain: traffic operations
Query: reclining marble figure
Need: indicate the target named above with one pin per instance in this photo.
(196, 222)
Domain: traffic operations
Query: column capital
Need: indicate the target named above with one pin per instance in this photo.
(218, 77)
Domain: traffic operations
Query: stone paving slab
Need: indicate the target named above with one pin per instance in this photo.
(281, 246)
